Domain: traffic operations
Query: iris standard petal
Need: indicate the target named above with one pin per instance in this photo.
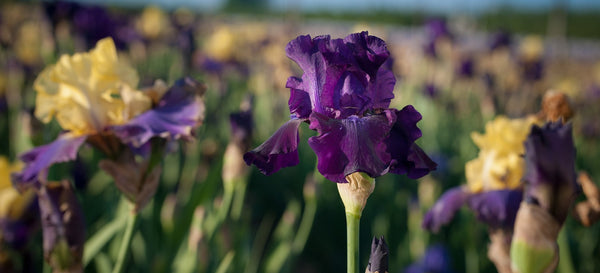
(497, 209)
(407, 157)
(341, 77)
(445, 208)
(178, 111)
(355, 144)
(279, 151)
(40, 158)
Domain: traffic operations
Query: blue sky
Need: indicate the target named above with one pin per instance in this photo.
(436, 6)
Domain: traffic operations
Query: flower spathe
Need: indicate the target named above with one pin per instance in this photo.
(344, 94)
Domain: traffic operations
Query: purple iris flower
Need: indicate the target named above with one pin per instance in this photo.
(497, 209)
(436, 29)
(344, 95)
(435, 260)
(92, 22)
(501, 39)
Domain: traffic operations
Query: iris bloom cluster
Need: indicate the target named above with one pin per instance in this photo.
(493, 188)
(344, 94)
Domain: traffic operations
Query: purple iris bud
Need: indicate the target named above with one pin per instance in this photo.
(497, 209)
(500, 39)
(532, 70)
(435, 260)
(378, 260)
(550, 173)
(430, 90)
(242, 125)
(445, 208)
(466, 68)
(438, 29)
(344, 94)
(429, 49)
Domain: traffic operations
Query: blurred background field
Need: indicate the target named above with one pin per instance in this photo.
(460, 63)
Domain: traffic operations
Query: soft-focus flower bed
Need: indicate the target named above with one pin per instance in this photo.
(156, 120)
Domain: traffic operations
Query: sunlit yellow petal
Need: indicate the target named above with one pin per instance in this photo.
(12, 204)
(220, 44)
(500, 164)
(83, 91)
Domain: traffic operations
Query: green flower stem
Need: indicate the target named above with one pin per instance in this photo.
(238, 201)
(352, 232)
(566, 262)
(308, 217)
(125, 243)
(225, 205)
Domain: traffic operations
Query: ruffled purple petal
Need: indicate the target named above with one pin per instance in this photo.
(407, 157)
(279, 151)
(369, 51)
(178, 111)
(550, 172)
(497, 209)
(341, 77)
(445, 208)
(40, 158)
(355, 144)
(299, 102)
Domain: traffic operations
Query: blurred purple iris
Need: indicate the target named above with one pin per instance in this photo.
(436, 29)
(92, 22)
(497, 209)
(435, 260)
(344, 95)
(500, 39)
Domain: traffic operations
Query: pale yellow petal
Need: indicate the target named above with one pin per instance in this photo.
(82, 91)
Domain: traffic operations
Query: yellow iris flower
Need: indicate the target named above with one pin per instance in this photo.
(12, 204)
(88, 91)
(500, 164)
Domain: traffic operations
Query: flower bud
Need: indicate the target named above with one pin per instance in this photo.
(354, 194)
(378, 261)
(534, 248)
